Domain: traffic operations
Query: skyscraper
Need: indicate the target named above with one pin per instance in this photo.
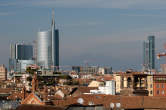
(20, 53)
(44, 49)
(48, 47)
(149, 53)
(23, 51)
(145, 55)
(55, 44)
(151, 40)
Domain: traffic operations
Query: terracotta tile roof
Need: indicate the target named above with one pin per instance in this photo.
(127, 102)
(154, 102)
(33, 99)
(17, 95)
(105, 78)
(5, 90)
(38, 107)
(81, 90)
(131, 102)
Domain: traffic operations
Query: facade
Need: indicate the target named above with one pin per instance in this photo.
(85, 69)
(23, 51)
(118, 83)
(149, 53)
(44, 49)
(104, 70)
(95, 84)
(92, 69)
(159, 85)
(3, 72)
(20, 52)
(12, 51)
(151, 40)
(23, 64)
(48, 48)
(145, 55)
(150, 84)
(108, 88)
(134, 83)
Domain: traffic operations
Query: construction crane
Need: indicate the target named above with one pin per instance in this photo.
(162, 54)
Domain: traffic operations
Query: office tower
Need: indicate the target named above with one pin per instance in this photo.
(23, 51)
(12, 51)
(35, 51)
(21, 55)
(145, 55)
(48, 48)
(44, 49)
(149, 53)
(55, 44)
(151, 40)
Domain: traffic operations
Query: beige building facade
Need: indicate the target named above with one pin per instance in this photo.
(150, 84)
(3, 72)
(95, 84)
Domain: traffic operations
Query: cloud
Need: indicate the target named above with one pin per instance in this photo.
(5, 13)
(8, 3)
(142, 15)
(120, 4)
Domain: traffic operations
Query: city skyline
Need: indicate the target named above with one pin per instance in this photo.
(98, 35)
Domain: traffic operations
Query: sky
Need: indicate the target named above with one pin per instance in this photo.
(97, 32)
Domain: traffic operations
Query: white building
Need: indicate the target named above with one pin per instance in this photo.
(104, 70)
(109, 88)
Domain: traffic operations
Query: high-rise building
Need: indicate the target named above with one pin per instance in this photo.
(44, 49)
(151, 40)
(145, 55)
(20, 54)
(149, 53)
(21, 51)
(48, 47)
(24, 51)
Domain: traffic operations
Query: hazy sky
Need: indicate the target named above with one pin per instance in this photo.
(100, 32)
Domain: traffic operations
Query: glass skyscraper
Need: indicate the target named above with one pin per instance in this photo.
(44, 49)
(18, 53)
(24, 52)
(149, 53)
(151, 40)
(48, 47)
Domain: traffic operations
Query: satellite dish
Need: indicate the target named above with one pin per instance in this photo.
(80, 100)
(112, 105)
(118, 105)
(91, 103)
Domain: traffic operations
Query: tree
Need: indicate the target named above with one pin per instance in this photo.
(30, 70)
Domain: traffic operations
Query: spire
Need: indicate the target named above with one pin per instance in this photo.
(53, 19)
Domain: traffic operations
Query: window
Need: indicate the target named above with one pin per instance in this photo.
(162, 92)
(150, 85)
(158, 92)
(158, 85)
(162, 85)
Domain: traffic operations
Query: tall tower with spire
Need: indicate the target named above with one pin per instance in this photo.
(55, 43)
(48, 47)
